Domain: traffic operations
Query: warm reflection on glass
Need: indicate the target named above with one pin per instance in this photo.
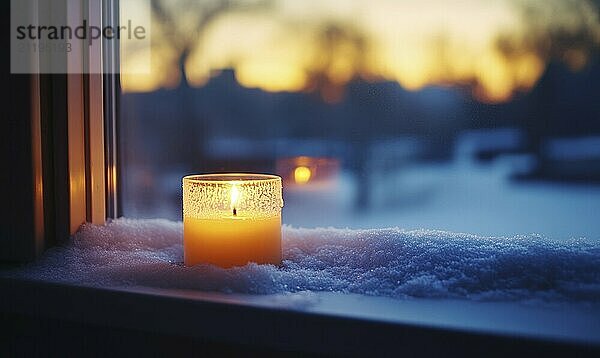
(304, 170)
(302, 175)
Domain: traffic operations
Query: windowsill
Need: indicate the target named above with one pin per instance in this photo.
(325, 323)
(123, 276)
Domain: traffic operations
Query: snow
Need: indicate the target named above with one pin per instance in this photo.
(381, 262)
(458, 197)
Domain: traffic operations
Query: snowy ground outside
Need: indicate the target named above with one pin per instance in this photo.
(460, 196)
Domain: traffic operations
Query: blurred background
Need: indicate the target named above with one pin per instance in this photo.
(471, 116)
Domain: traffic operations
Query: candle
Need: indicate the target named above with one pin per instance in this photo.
(232, 219)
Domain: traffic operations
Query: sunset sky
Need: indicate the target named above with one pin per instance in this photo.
(415, 42)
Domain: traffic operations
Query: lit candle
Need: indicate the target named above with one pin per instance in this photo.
(232, 219)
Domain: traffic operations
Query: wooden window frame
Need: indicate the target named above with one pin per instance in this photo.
(61, 137)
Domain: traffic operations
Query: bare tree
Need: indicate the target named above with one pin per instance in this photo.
(567, 30)
(333, 42)
(553, 30)
(183, 24)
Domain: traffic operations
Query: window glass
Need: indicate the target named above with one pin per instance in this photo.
(470, 116)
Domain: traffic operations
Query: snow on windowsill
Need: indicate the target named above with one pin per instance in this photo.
(384, 262)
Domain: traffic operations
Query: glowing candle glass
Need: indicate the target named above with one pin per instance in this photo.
(232, 219)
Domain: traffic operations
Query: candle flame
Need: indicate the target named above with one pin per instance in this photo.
(302, 175)
(235, 195)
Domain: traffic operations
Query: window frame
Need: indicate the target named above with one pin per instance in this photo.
(61, 137)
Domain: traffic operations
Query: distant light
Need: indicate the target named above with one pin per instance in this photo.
(302, 175)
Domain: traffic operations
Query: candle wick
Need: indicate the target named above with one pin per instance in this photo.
(234, 212)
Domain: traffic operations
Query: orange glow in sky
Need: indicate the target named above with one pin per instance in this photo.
(415, 42)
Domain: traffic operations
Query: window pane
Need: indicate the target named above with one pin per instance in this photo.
(467, 116)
